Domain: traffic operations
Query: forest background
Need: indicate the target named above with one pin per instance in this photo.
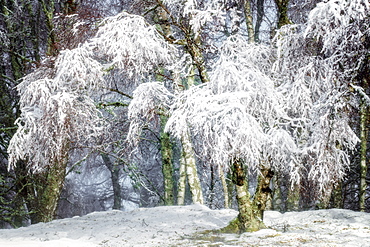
(118, 122)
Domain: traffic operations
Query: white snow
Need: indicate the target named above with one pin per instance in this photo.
(183, 226)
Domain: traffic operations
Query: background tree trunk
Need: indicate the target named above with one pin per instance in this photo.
(191, 170)
(167, 166)
(260, 14)
(283, 18)
(114, 171)
(249, 20)
(364, 134)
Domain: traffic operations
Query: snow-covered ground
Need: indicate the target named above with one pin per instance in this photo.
(181, 226)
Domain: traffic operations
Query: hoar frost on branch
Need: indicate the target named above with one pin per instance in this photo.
(131, 44)
(49, 122)
(198, 12)
(149, 100)
(4, 39)
(314, 70)
(238, 114)
(57, 104)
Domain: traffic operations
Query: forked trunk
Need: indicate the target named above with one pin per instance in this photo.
(250, 217)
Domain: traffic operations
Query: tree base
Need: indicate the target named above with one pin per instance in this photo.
(236, 227)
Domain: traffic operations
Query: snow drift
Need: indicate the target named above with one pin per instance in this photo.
(185, 225)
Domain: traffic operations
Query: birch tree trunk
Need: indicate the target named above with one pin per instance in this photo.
(363, 153)
(224, 186)
(249, 20)
(191, 170)
(249, 218)
(181, 183)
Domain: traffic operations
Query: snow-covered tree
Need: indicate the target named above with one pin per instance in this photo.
(316, 64)
(239, 118)
(58, 108)
(258, 110)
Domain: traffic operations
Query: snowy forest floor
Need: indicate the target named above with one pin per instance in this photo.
(183, 226)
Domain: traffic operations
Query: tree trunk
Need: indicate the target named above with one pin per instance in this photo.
(225, 188)
(48, 8)
(292, 203)
(114, 171)
(42, 190)
(191, 170)
(193, 45)
(249, 218)
(363, 153)
(249, 20)
(336, 200)
(283, 18)
(181, 184)
(263, 191)
(167, 168)
(260, 14)
(162, 17)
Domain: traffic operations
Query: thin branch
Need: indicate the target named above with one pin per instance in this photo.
(120, 92)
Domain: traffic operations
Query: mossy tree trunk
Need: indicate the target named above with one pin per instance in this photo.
(160, 16)
(263, 191)
(181, 184)
(250, 217)
(336, 200)
(48, 8)
(363, 77)
(42, 190)
(283, 18)
(167, 165)
(292, 202)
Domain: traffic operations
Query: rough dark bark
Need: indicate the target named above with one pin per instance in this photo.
(114, 171)
(41, 191)
(283, 18)
(260, 14)
(263, 191)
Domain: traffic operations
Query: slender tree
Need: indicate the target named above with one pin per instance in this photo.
(318, 55)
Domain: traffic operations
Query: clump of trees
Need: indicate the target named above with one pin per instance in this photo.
(202, 77)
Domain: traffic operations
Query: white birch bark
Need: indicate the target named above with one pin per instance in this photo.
(191, 169)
